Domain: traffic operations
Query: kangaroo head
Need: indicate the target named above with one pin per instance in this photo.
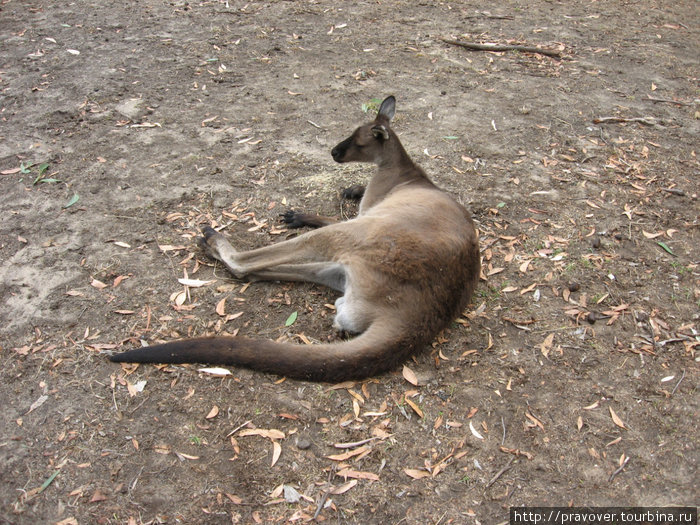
(367, 143)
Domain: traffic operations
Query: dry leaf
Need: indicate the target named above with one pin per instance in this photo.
(276, 451)
(579, 423)
(221, 307)
(417, 473)
(98, 284)
(97, 496)
(342, 489)
(474, 431)
(270, 434)
(415, 407)
(234, 499)
(194, 283)
(213, 412)
(593, 406)
(616, 419)
(614, 441)
(532, 418)
(135, 388)
(40, 401)
(546, 345)
(348, 473)
(349, 454)
(179, 298)
(410, 376)
(215, 371)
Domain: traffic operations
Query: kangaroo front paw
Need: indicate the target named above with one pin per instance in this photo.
(354, 192)
(294, 219)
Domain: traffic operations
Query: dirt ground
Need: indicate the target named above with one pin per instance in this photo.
(572, 379)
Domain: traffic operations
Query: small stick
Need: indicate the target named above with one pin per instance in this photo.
(668, 101)
(358, 443)
(678, 384)
(503, 47)
(500, 472)
(618, 470)
(238, 428)
(648, 121)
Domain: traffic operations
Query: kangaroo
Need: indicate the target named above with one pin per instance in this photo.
(406, 266)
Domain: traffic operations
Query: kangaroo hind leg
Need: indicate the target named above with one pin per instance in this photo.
(292, 260)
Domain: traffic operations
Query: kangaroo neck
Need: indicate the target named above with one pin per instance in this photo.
(393, 169)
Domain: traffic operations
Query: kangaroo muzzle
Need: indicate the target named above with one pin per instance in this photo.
(338, 153)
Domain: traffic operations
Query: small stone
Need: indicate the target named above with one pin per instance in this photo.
(303, 443)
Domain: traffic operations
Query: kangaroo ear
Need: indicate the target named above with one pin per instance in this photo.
(380, 132)
(388, 108)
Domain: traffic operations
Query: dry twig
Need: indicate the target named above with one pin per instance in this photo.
(647, 121)
(618, 470)
(500, 472)
(503, 47)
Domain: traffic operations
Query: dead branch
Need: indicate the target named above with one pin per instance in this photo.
(678, 384)
(618, 470)
(647, 121)
(503, 47)
(486, 14)
(668, 101)
(500, 472)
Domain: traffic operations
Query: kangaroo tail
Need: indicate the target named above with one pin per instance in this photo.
(380, 348)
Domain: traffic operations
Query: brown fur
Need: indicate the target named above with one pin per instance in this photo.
(407, 265)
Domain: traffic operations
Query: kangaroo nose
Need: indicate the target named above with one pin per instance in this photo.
(335, 153)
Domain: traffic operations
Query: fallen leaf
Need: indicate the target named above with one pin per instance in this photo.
(348, 473)
(97, 496)
(234, 499)
(475, 433)
(98, 284)
(415, 407)
(546, 345)
(194, 283)
(349, 454)
(665, 247)
(342, 489)
(213, 412)
(72, 201)
(417, 473)
(614, 441)
(276, 452)
(532, 418)
(409, 375)
(616, 419)
(221, 307)
(135, 388)
(270, 434)
(215, 371)
(68, 521)
(40, 401)
(291, 319)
